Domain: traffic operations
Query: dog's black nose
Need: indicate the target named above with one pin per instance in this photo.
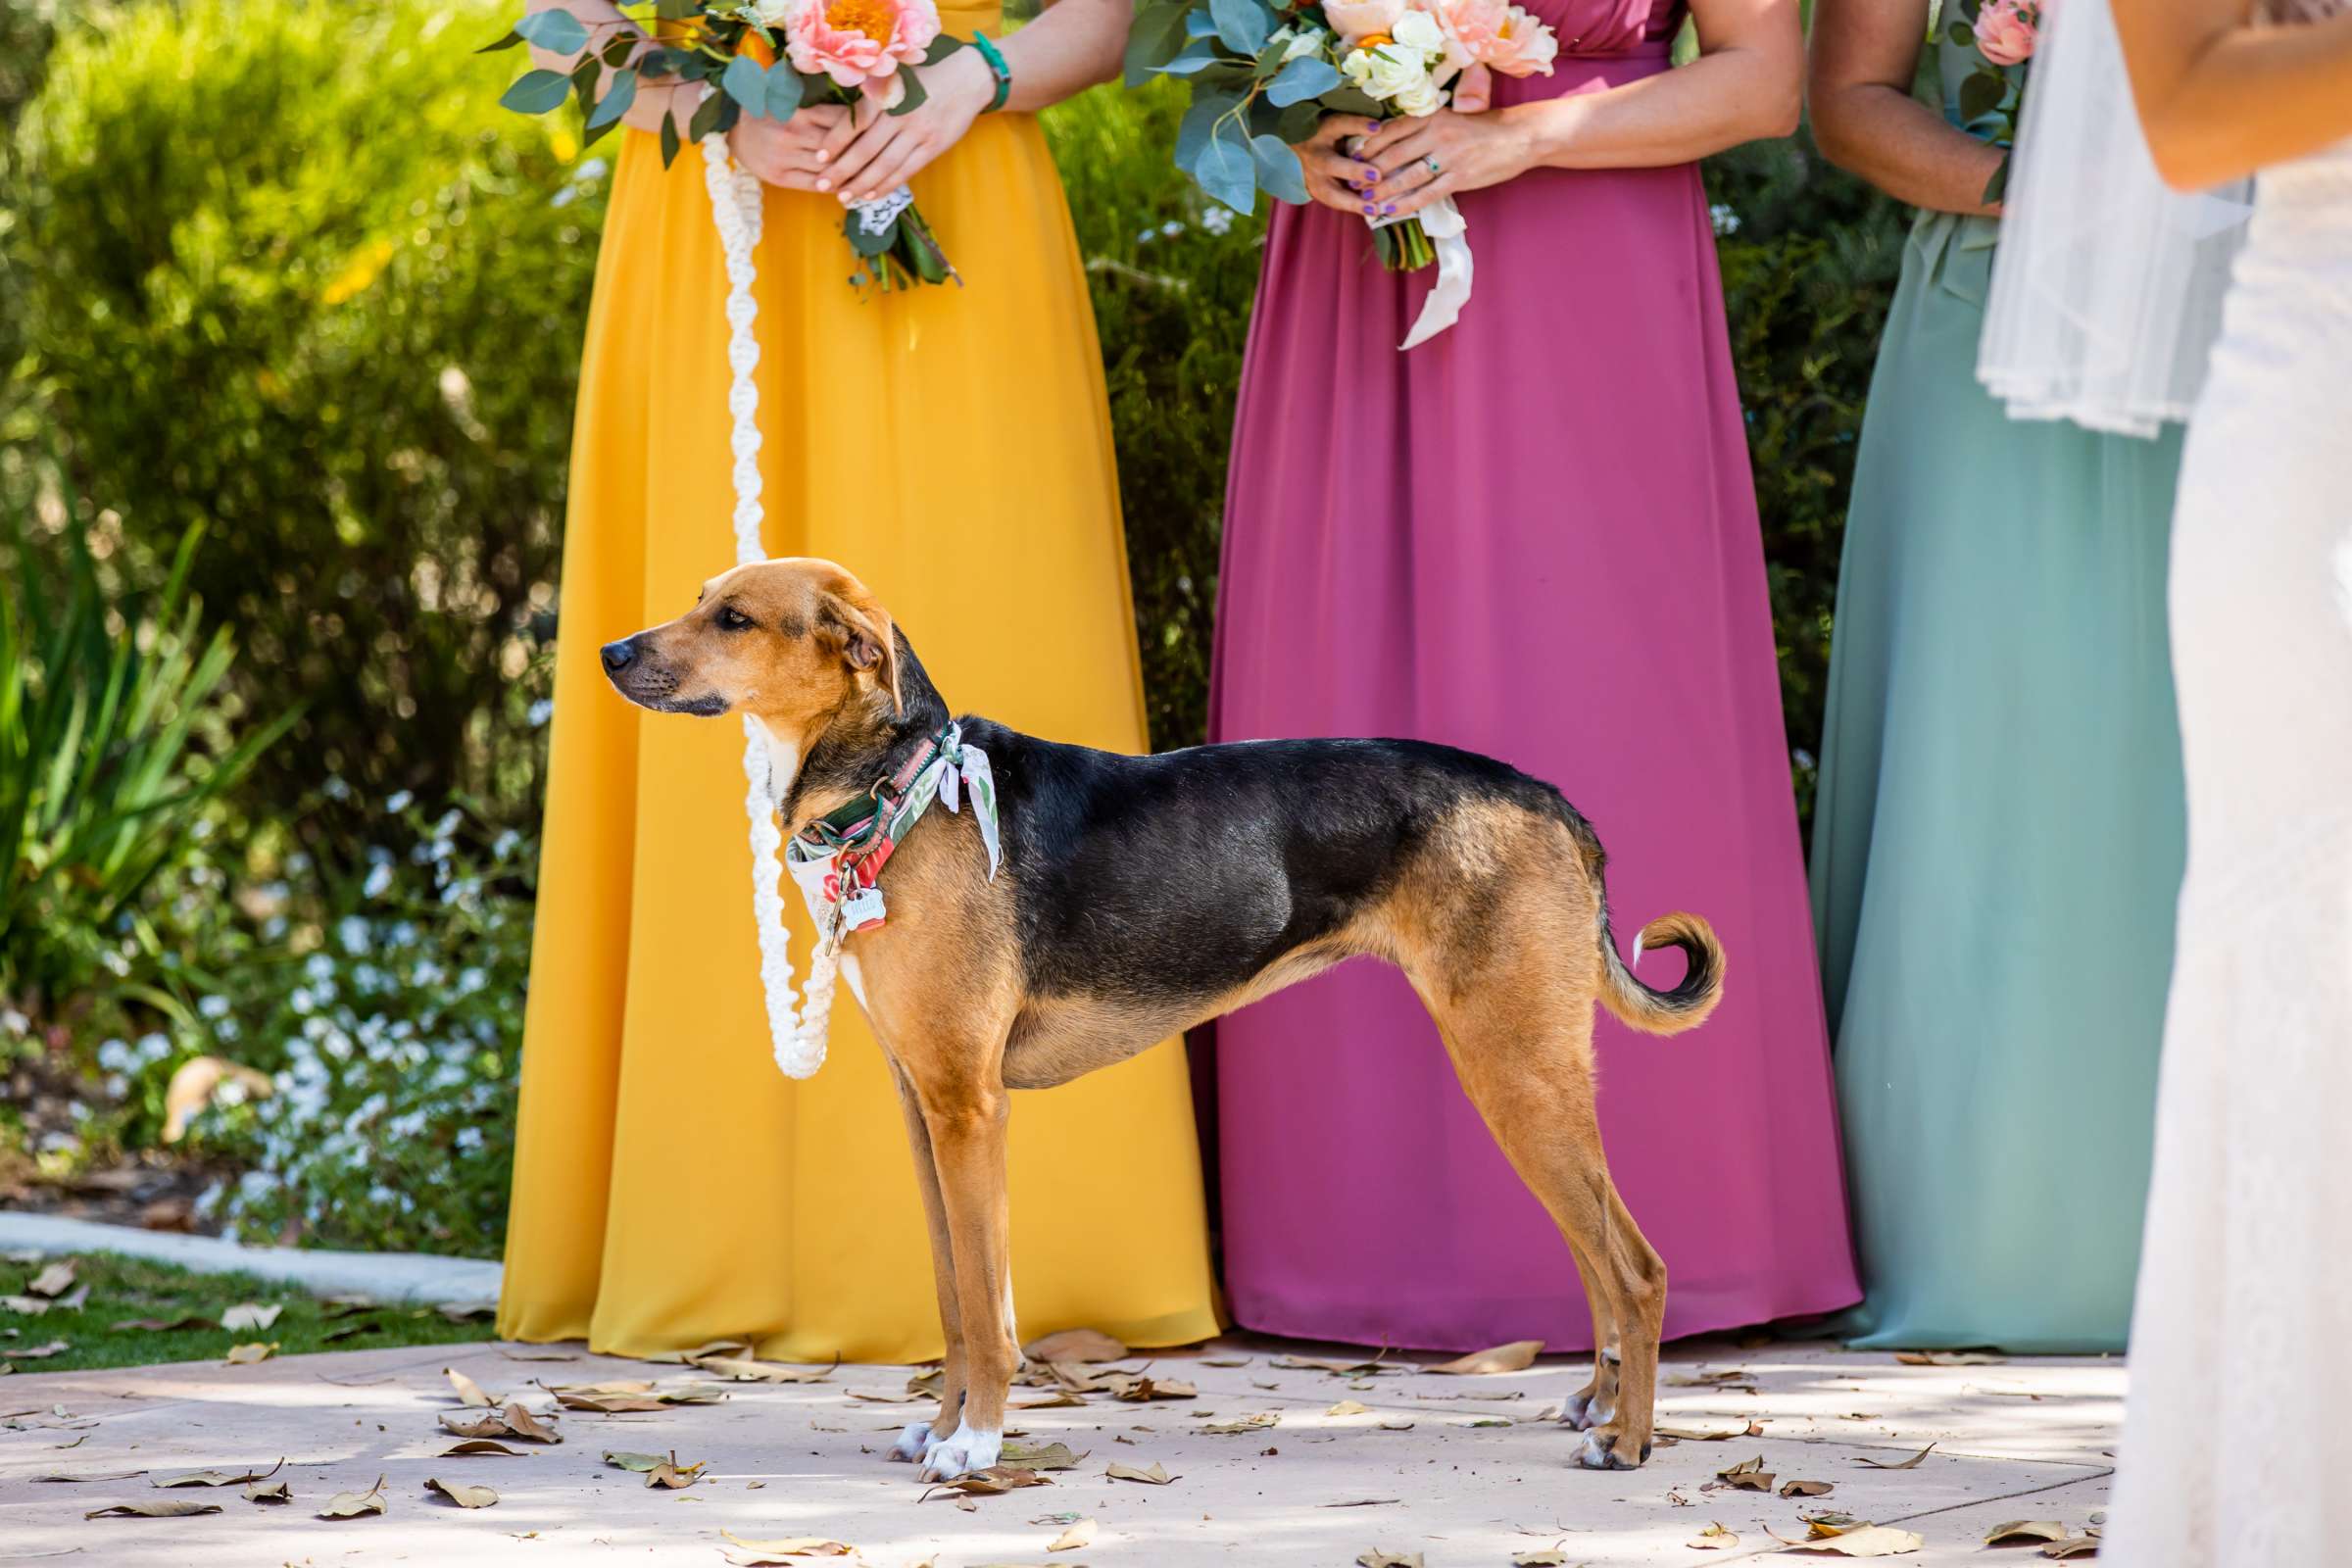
(620, 655)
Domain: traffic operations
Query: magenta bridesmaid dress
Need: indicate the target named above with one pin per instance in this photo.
(1534, 536)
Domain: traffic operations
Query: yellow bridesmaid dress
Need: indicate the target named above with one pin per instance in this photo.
(952, 447)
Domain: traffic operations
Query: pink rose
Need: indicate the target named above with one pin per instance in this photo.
(2008, 29)
(1354, 20)
(859, 43)
(1502, 36)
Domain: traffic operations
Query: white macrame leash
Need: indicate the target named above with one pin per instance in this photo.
(800, 1037)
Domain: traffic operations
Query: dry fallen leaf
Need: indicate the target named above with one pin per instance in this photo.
(736, 1369)
(469, 1392)
(1249, 1423)
(1056, 1401)
(1516, 1356)
(355, 1505)
(269, 1491)
(474, 1447)
(512, 1422)
(79, 1478)
(1070, 1540)
(2073, 1547)
(1340, 1369)
(1867, 1540)
(248, 1355)
(1713, 1539)
(673, 1476)
(165, 1325)
(1157, 1476)
(763, 1551)
(1709, 1433)
(1541, 1557)
(1807, 1489)
(1349, 1407)
(39, 1352)
(464, 1496)
(1911, 1463)
(54, 1281)
(193, 1083)
(990, 1481)
(218, 1478)
(1081, 1346)
(782, 1553)
(1949, 1358)
(1378, 1558)
(539, 1355)
(1224, 1360)
(1749, 1475)
(701, 1351)
(2025, 1532)
(1038, 1457)
(154, 1508)
(639, 1463)
(1143, 1389)
(29, 1305)
(250, 1316)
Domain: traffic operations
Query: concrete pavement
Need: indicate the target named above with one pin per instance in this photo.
(1461, 1471)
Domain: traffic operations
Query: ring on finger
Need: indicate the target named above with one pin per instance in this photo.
(1435, 169)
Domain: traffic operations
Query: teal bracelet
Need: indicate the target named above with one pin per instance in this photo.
(995, 64)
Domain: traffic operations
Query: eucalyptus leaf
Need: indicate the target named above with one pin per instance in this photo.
(554, 29)
(1228, 172)
(785, 90)
(746, 83)
(1278, 169)
(1242, 25)
(508, 42)
(1302, 78)
(913, 98)
(535, 92)
(1196, 56)
(615, 101)
(1156, 35)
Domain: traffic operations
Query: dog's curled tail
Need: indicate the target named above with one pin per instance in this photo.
(1663, 1013)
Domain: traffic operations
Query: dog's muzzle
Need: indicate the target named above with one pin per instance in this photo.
(619, 656)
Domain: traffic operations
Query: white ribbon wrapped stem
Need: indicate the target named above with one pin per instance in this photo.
(1449, 236)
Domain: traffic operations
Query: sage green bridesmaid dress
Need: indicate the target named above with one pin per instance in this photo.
(1997, 839)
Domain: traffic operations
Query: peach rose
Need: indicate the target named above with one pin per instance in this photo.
(2008, 29)
(859, 43)
(1502, 36)
(1358, 20)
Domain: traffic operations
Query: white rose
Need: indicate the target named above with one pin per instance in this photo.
(1304, 43)
(1383, 74)
(1422, 98)
(1419, 31)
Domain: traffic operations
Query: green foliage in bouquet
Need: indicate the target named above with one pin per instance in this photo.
(710, 43)
(1252, 96)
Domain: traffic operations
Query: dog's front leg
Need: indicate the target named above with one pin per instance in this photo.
(968, 1122)
(915, 1442)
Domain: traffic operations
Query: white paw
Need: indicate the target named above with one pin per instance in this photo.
(967, 1451)
(1597, 1450)
(915, 1443)
(1584, 1411)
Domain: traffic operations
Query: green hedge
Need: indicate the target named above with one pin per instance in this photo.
(287, 269)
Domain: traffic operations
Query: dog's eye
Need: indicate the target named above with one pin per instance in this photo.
(732, 620)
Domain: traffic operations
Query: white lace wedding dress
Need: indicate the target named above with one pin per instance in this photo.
(2237, 1446)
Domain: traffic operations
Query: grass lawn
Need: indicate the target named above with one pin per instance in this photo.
(130, 1290)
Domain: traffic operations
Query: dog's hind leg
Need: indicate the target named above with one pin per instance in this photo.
(915, 1442)
(1524, 1055)
(1597, 1401)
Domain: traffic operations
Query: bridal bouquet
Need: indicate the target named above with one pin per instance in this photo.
(760, 57)
(2004, 35)
(1265, 73)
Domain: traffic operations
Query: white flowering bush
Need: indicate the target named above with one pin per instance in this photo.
(392, 1044)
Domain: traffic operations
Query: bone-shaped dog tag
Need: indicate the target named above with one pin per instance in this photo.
(863, 910)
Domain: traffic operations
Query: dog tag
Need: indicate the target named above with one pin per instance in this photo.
(863, 910)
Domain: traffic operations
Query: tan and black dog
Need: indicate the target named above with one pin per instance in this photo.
(1142, 894)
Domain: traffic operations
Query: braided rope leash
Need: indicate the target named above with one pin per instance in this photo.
(799, 1035)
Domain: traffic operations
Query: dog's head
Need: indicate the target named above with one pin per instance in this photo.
(788, 642)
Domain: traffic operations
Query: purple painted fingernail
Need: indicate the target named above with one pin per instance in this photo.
(1368, 213)
(1390, 210)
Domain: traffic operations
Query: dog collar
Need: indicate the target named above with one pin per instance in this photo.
(836, 858)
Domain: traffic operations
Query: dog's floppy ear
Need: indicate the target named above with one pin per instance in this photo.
(868, 641)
